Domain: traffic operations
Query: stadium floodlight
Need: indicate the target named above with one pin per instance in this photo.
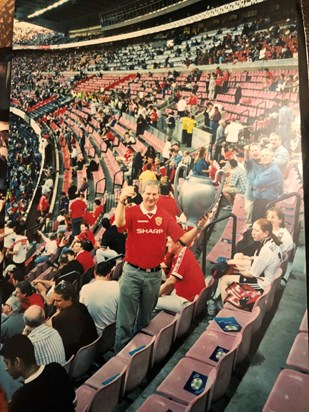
(48, 8)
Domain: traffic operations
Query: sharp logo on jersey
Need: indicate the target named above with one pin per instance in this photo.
(158, 221)
(141, 231)
(143, 221)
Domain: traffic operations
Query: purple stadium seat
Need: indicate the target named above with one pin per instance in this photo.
(304, 323)
(298, 356)
(289, 393)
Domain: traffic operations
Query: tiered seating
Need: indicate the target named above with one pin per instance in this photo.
(290, 391)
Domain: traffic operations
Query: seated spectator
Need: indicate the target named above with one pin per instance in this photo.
(128, 139)
(185, 280)
(276, 217)
(46, 387)
(26, 293)
(112, 242)
(167, 202)
(11, 320)
(47, 343)
(101, 297)
(86, 234)
(49, 249)
(257, 271)
(72, 320)
(237, 183)
(82, 255)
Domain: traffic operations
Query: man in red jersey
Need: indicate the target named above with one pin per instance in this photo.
(185, 280)
(147, 227)
(77, 209)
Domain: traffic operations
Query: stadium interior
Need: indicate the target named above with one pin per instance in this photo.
(95, 84)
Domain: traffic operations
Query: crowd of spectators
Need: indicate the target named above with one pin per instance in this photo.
(24, 162)
(256, 170)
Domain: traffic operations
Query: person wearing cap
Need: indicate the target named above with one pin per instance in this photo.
(46, 387)
(101, 296)
(147, 226)
(12, 321)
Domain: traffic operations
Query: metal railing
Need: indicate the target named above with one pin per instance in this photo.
(209, 228)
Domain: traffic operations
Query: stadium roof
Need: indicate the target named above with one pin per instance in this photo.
(71, 14)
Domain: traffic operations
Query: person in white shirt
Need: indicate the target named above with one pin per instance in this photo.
(101, 297)
(258, 271)
(276, 217)
(49, 249)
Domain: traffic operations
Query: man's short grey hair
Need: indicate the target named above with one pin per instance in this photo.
(154, 183)
(15, 303)
(34, 316)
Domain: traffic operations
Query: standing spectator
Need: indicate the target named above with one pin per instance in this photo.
(77, 209)
(72, 320)
(63, 202)
(98, 209)
(237, 183)
(84, 187)
(252, 164)
(74, 156)
(185, 279)
(167, 202)
(181, 107)
(281, 155)
(140, 282)
(141, 126)
(184, 125)
(12, 320)
(166, 149)
(200, 166)
(190, 126)
(220, 139)
(285, 119)
(43, 206)
(137, 164)
(47, 343)
(101, 297)
(170, 124)
(72, 191)
(46, 387)
(17, 252)
(212, 87)
(192, 103)
(267, 184)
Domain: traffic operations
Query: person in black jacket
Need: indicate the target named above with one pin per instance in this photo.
(46, 388)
